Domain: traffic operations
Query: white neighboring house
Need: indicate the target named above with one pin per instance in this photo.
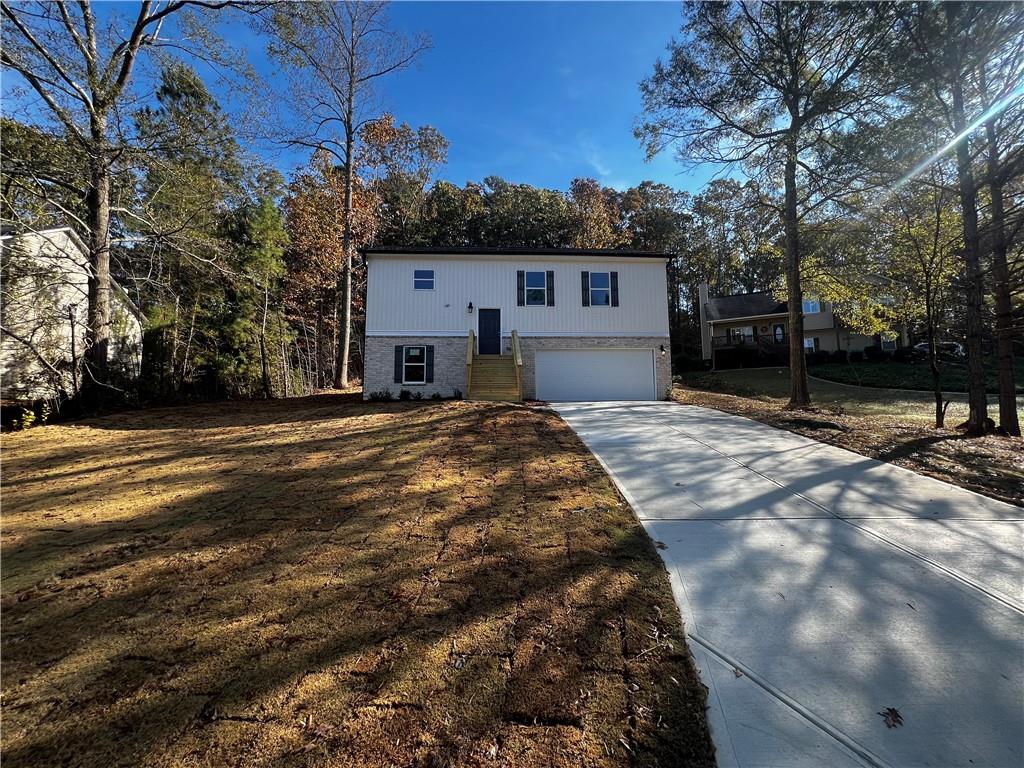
(45, 305)
(510, 323)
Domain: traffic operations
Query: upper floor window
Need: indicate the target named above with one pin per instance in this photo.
(811, 307)
(600, 289)
(423, 280)
(536, 289)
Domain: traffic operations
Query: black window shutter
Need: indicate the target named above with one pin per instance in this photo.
(521, 288)
(430, 364)
(585, 277)
(398, 363)
(614, 280)
(551, 288)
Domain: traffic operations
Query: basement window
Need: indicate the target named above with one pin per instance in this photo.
(414, 365)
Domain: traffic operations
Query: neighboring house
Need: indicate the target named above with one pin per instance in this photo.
(510, 323)
(748, 328)
(45, 277)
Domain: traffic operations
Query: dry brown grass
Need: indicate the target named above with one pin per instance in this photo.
(325, 582)
(991, 465)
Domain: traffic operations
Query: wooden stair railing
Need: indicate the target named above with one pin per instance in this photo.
(470, 351)
(517, 358)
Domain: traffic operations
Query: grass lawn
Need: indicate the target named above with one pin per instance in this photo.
(772, 384)
(319, 581)
(914, 375)
(883, 424)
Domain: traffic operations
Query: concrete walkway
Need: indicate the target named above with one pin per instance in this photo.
(821, 588)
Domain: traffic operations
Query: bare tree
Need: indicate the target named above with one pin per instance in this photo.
(82, 71)
(774, 87)
(335, 53)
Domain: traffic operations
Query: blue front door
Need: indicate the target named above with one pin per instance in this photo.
(490, 331)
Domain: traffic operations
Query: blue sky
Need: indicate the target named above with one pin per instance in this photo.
(539, 92)
(535, 92)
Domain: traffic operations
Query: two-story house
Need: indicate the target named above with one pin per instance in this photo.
(748, 328)
(45, 282)
(511, 323)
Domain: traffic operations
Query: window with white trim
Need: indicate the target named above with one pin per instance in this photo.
(889, 343)
(811, 345)
(600, 289)
(742, 335)
(536, 289)
(423, 280)
(414, 365)
(812, 306)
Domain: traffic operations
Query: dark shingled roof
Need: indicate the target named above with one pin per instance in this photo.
(485, 251)
(744, 305)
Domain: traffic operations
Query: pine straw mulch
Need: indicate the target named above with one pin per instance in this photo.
(320, 581)
(991, 465)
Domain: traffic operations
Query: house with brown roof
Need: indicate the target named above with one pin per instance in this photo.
(749, 329)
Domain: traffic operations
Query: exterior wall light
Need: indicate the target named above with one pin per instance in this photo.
(662, 349)
(469, 308)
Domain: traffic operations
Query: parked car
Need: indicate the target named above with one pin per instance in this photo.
(950, 350)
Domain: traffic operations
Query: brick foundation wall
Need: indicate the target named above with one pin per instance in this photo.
(449, 365)
(450, 360)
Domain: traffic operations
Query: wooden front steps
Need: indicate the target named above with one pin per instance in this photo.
(494, 378)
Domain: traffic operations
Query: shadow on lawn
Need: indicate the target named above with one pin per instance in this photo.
(331, 582)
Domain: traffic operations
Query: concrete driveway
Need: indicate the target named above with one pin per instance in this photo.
(842, 611)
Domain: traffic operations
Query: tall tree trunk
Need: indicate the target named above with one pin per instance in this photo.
(1008, 418)
(315, 349)
(335, 339)
(98, 317)
(341, 372)
(977, 402)
(285, 373)
(799, 395)
(268, 392)
(933, 360)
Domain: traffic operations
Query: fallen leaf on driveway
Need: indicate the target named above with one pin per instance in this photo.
(892, 717)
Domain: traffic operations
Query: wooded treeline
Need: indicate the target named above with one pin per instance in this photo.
(879, 145)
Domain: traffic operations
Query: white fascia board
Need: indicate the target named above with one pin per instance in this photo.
(484, 258)
(748, 317)
(524, 334)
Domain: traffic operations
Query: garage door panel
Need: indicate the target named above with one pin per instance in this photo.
(595, 374)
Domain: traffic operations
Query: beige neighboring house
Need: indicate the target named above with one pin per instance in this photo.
(45, 284)
(750, 328)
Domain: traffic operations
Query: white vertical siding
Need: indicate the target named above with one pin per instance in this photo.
(394, 308)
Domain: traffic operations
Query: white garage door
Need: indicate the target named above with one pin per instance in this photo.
(595, 374)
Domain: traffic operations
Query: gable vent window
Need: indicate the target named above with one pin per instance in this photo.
(423, 280)
(600, 289)
(535, 289)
